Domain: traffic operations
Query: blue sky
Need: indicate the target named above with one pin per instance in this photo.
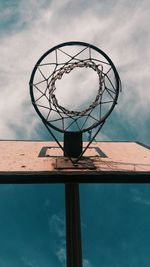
(32, 217)
(115, 225)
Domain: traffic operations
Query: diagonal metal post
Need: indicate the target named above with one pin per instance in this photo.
(73, 226)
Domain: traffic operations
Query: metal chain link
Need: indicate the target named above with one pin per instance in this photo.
(87, 63)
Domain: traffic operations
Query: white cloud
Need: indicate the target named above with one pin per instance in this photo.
(122, 32)
(138, 196)
(139, 199)
(28, 263)
(61, 254)
(57, 224)
(86, 263)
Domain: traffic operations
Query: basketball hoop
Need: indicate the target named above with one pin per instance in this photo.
(58, 62)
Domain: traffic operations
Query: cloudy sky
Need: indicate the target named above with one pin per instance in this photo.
(119, 28)
(32, 219)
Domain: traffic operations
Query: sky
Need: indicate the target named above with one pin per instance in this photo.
(32, 217)
(119, 28)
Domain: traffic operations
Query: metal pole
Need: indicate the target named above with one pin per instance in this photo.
(73, 226)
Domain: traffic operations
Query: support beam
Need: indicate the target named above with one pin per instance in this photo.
(73, 226)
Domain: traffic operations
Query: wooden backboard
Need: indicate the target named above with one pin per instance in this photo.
(43, 162)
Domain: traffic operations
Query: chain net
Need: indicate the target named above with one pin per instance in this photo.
(67, 69)
(64, 119)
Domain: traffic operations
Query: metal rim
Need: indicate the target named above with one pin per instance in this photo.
(73, 43)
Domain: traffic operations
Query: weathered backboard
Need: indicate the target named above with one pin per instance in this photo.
(43, 162)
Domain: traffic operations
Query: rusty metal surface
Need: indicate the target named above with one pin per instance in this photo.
(24, 157)
(65, 163)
